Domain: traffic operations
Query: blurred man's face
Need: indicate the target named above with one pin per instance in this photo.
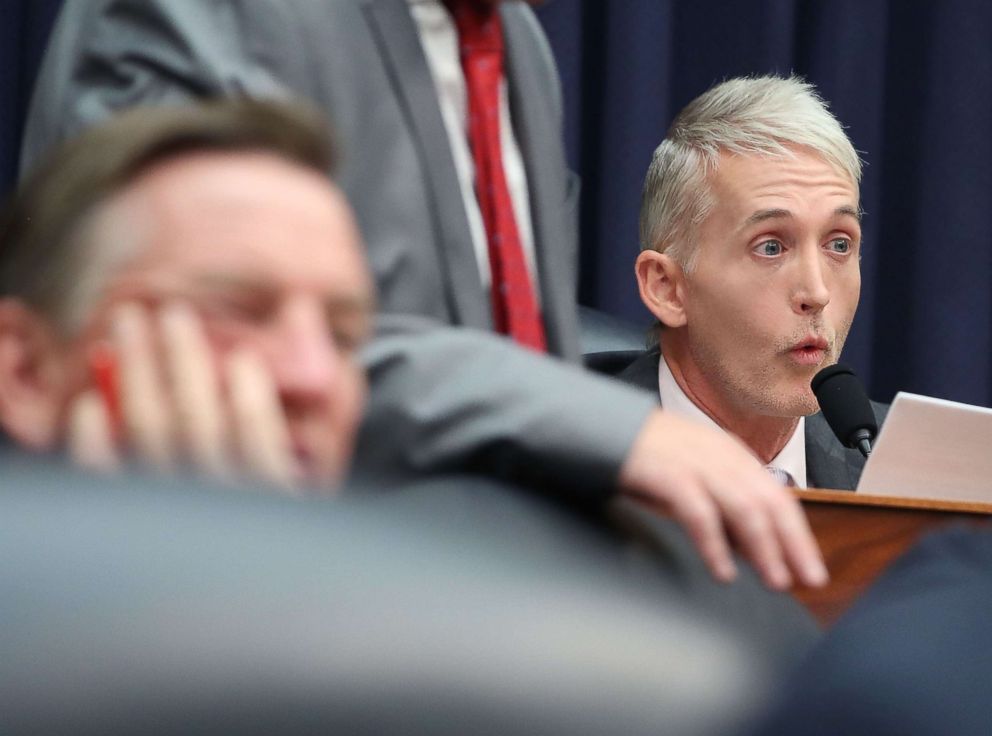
(775, 284)
(269, 257)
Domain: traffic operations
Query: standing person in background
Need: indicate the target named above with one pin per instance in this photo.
(413, 90)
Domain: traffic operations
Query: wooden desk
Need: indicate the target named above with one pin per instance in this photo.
(860, 535)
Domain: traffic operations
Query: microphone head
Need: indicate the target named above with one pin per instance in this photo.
(844, 403)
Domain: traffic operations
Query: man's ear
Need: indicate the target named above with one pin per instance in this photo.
(31, 377)
(661, 283)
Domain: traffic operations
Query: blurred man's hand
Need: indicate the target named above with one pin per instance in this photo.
(176, 407)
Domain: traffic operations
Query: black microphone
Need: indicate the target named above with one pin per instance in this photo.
(846, 407)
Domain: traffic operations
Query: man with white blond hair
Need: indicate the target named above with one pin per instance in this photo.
(751, 238)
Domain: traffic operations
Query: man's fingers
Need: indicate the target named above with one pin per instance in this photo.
(713, 485)
(144, 405)
(199, 410)
(770, 526)
(701, 520)
(801, 550)
(90, 435)
(751, 522)
(260, 427)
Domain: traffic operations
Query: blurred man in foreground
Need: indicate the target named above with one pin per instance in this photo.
(751, 237)
(197, 268)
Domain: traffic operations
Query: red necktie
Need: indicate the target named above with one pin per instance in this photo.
(480, 37)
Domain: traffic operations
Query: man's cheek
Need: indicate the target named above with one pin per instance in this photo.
(353, 394)
(222, 340)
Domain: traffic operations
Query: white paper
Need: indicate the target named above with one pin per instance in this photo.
(932, 448)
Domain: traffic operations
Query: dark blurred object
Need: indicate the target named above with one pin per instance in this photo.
(23, 36)
(610, 362)
(600, 332)
(450, 607)
(609, 344)
(912, 657)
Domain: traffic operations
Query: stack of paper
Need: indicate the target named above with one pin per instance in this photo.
(934, 449)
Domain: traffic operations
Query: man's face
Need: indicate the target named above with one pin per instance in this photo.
(268, 256)
(775, 284)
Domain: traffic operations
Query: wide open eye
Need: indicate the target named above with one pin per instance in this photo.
(768, 248)
(839, 245)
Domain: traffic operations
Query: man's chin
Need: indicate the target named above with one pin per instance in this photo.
(805, 405)
(791, 403)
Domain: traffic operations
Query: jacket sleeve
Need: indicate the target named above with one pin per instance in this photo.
(447, 399)
(108, 55)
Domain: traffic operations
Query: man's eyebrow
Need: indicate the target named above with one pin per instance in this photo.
(350, 304)
(229, 281)
(770, 214)
(337, 303)
(848, 210)
(779, 213)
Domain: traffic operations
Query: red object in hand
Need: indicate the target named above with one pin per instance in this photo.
(103, 367)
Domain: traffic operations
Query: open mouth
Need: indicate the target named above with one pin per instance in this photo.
(809, 352)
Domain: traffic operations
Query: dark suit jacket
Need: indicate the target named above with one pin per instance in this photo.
(913, 656)
(828, 463)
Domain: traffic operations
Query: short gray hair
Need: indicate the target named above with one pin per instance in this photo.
(747, 115)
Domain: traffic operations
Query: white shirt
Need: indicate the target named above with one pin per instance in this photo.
(439, 39)
(792, 458)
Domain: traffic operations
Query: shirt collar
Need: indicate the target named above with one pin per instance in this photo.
(792, 457)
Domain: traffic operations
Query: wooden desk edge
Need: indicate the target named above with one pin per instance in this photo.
(850, 498)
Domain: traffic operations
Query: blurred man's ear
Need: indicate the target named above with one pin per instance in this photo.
(31, 377)
(661, 283)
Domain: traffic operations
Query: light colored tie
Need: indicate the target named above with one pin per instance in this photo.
(782, 476)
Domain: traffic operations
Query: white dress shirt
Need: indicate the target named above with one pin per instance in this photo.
(792, 458)
(439, 39)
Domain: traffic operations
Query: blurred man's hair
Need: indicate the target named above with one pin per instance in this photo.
(754, 115)
(51, 245)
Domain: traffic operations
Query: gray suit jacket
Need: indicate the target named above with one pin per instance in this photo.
(442, 398)
(362, 63)
(828, 463)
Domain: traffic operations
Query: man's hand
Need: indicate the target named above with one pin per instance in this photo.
(711, 485)
(177, 407)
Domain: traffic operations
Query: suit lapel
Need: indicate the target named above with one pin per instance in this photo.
(535, 125)
(828, 463)
(395, 33)
(643, 372)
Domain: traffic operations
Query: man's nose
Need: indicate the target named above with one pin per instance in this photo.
(811, 293)
(304, 356)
